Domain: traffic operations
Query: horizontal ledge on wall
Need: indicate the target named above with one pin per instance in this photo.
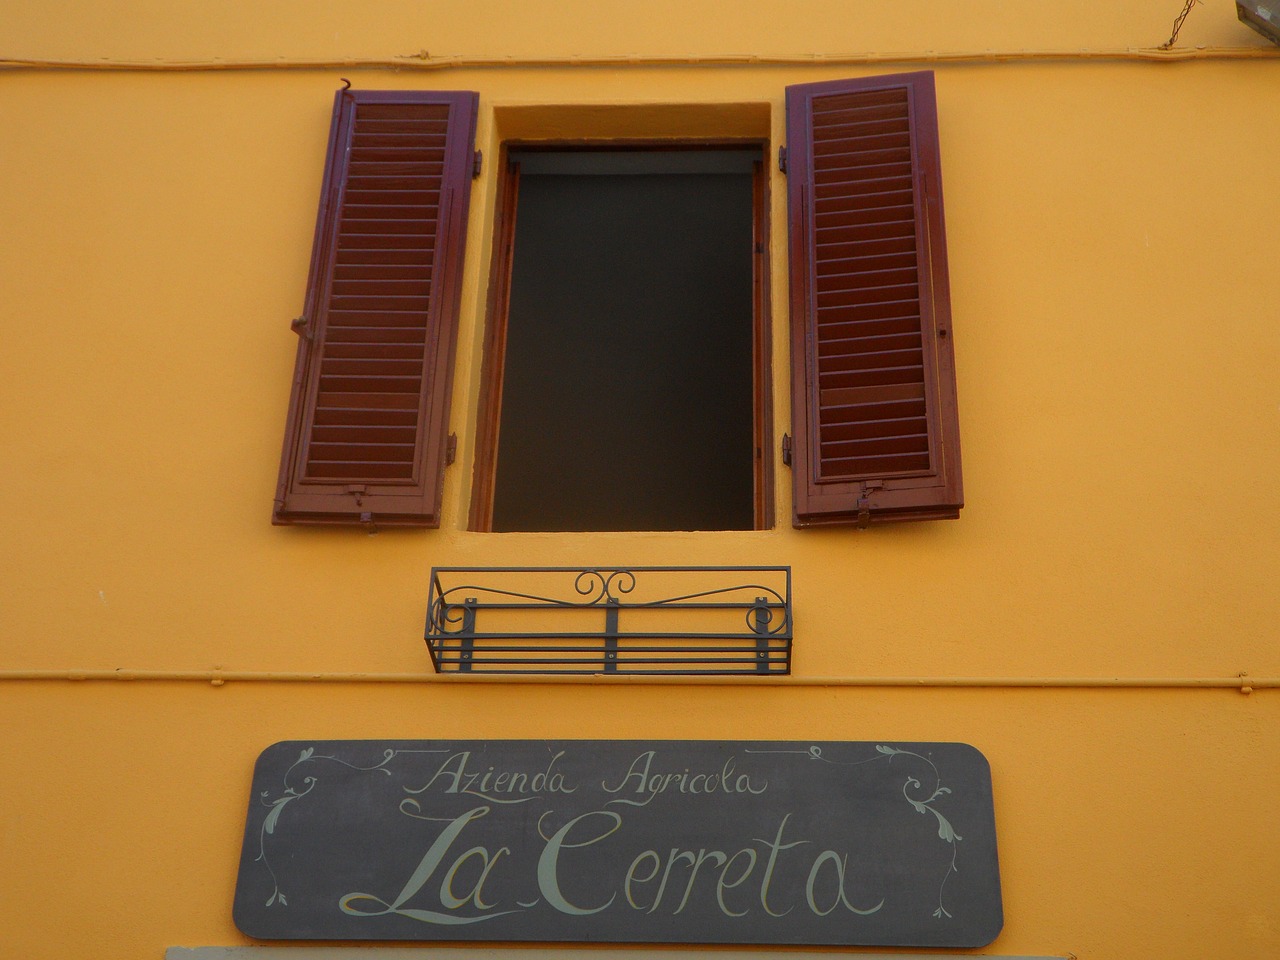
(217, 677)
(423, 61)
(498, 953)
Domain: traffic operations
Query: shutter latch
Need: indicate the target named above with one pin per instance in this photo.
(864, 512)
(864, 501)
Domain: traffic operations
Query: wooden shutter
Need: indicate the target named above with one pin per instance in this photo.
(368, 417)
(876, 436)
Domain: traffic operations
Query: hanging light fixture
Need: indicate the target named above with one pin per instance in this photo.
(1262, 15)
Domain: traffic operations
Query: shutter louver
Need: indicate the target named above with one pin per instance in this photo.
(369, 414)
(876, 434)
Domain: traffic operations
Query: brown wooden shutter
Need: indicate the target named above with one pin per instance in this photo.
(873, 379)
(368, 417)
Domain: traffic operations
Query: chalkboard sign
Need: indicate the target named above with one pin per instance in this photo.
(733, 842)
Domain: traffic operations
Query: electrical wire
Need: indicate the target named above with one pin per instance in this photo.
(1177, 25)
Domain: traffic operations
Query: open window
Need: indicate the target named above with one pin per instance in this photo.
(627, 363)
(626, 381)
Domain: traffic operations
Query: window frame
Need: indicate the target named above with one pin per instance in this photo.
(498, 304)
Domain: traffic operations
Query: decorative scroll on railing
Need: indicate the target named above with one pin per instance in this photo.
(610, 620)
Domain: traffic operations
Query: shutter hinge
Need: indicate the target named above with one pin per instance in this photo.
(782, 159)
(476, 161)
(451, 449)
(786, 449)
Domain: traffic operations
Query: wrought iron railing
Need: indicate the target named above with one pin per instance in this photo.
(610, 620)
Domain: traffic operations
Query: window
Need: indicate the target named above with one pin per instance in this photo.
(636, 274)
(628, 342)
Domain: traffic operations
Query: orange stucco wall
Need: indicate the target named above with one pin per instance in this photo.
(1112, 228)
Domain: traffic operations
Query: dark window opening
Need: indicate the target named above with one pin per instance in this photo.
(630, 351)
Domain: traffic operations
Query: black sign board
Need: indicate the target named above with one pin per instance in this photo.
(744, 842)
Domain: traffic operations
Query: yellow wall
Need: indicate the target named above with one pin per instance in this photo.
(291, 29)
(1112, 226)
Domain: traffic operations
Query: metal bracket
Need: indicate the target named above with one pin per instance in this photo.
(864, 512)
(864, 501)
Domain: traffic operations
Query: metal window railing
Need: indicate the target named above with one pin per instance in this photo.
(610, 620)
